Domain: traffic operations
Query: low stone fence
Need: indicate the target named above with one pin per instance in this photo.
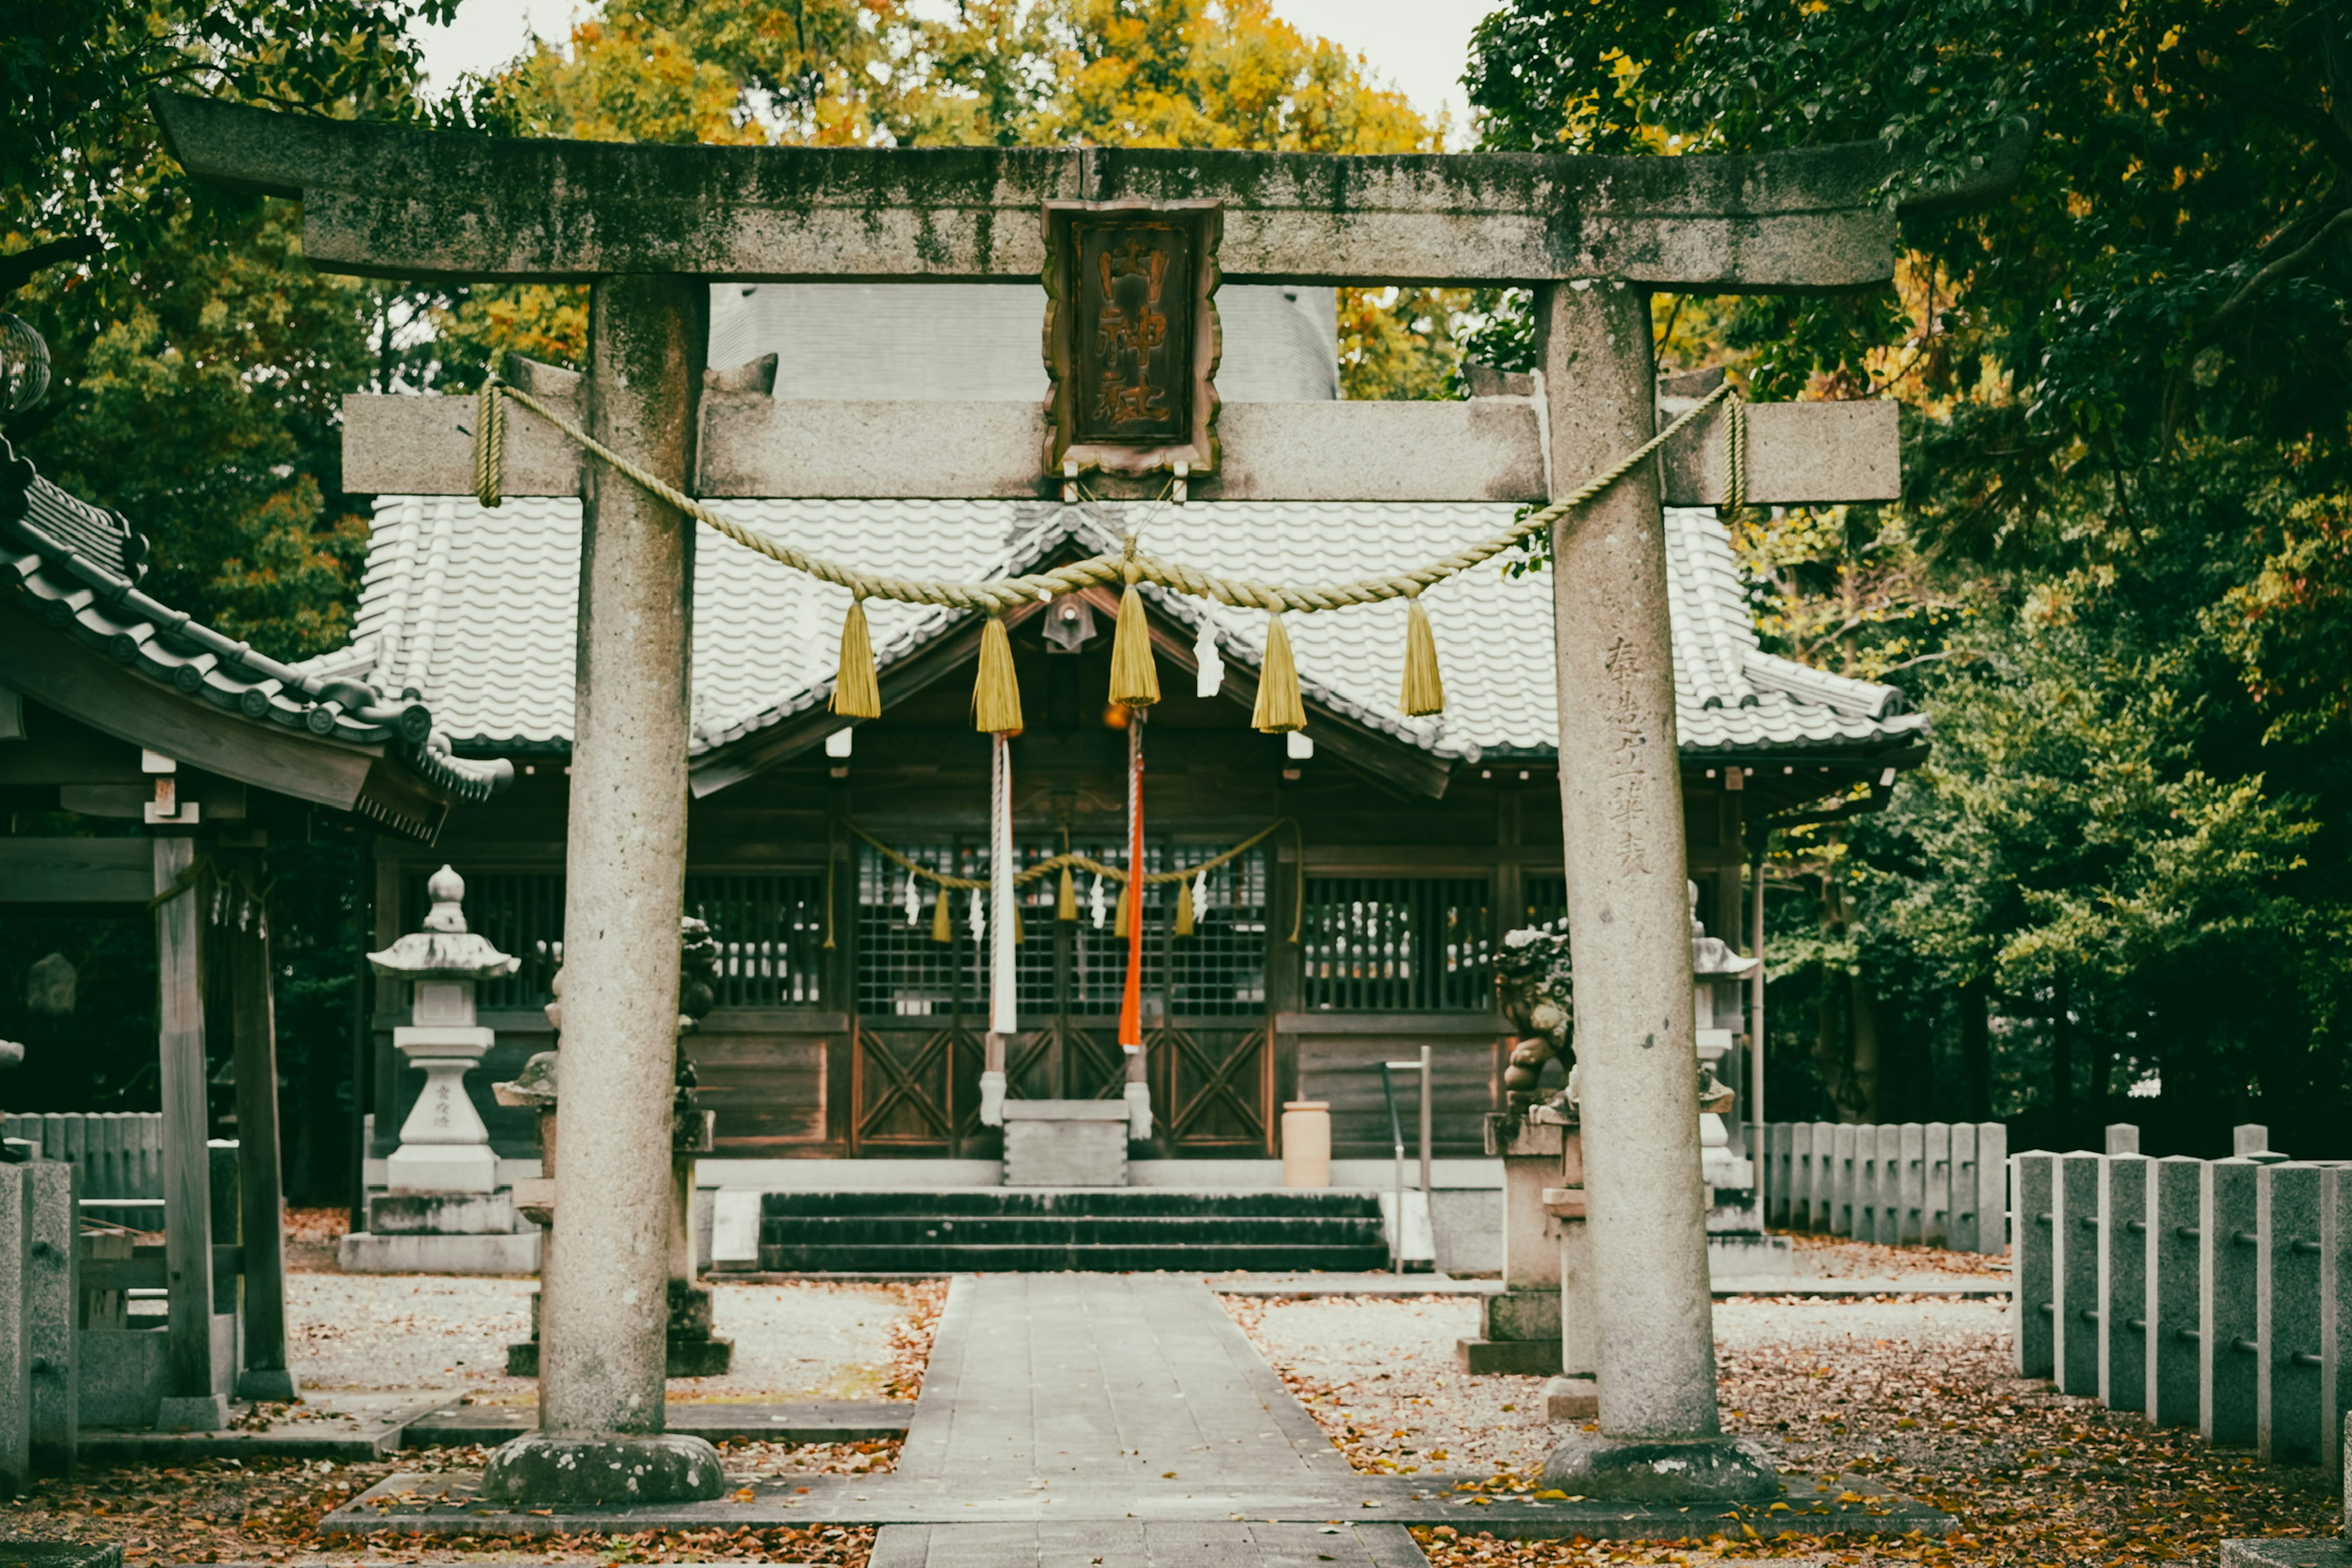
(114, 1153)
(1913, 1184)
(2211, 1293)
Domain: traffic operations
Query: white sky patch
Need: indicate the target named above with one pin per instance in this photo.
(1419, 46)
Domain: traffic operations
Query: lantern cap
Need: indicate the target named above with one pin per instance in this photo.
(445, 949)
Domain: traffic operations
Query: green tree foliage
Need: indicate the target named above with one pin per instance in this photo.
(198, 362)
(2119, 576)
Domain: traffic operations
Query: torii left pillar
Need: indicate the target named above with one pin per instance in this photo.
(604, 1301)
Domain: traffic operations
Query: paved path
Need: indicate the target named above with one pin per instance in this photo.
(1118, 1421)
(1095, 1389)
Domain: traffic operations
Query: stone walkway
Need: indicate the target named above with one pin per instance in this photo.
(1116, 1421)
(1091, 1389)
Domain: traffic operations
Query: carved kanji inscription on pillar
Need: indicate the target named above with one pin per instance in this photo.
(1131, 336)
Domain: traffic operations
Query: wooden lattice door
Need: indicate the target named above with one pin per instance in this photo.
(921, 1005)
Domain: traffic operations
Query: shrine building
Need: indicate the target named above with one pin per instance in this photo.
(1356, 930)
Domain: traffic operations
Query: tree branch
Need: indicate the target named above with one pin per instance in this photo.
(2293, 259)
(19, 267)
(2312, 123)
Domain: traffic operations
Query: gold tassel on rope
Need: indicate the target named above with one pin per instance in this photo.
(1134, 676)
(856, 691)
(1278, 706)
(1065, 907)
(1184, 907)
(1423, 691)
(1119, 913)
(996, 695)
(943, 918)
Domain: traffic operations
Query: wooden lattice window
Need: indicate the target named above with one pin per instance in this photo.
(770, 931)
(1397, 944)
(1217, 972)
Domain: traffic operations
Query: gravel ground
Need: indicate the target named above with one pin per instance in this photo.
(1908, 1395)
(812, 1341)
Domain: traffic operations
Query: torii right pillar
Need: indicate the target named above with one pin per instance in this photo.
(1629, 927)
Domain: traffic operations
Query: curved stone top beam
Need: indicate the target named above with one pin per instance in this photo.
(395, 202)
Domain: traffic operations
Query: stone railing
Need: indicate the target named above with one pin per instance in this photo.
(1913, 1184)
(2211, 1293)
(114, 1153)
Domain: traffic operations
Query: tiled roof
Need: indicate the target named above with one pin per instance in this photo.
(476, 611)
(78, 568)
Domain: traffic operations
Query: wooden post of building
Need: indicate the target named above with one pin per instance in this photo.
(194, 1398)
(1629, 922)
(261, 1177)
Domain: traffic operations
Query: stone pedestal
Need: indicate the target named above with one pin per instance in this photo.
(1066, 1143)
(1519, 1327)
(443, 1147)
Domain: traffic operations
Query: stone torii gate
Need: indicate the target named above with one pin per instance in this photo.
(650, 227)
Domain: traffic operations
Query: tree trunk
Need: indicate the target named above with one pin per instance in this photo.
(1872, 1084)
(1976, 1053)
(2061, 1067)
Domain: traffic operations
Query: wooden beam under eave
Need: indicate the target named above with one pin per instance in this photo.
(76, 871)
(1484, 449)
(61, 673)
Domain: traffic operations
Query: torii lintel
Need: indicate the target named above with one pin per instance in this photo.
(393, 200)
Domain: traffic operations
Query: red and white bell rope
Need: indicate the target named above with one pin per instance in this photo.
(1003, 910)
(1130, 1001)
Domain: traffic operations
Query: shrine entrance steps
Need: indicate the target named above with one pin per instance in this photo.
(979, 1230)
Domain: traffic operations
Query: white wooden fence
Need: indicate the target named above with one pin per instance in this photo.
(1933, 1183)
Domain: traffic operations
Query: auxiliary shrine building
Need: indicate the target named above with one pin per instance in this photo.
(1356, 930)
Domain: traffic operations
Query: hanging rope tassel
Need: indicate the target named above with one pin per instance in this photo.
(1065, 907)
(1134, 677)
(1424, 690)
(856, 691)
(942, 919)
(1278, 706)
(996, 695)
(1184, 908)
(490, 443)
(1119, 915)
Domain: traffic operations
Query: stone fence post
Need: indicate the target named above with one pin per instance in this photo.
(2228, 1353)
(2030, 1303)
(2073, 1233)
(2123, 1242)
(2335, 1311)
(2174, 1264)
(1936, 1194)
(2287, 1313)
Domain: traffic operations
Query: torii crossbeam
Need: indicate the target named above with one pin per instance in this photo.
(649, 227)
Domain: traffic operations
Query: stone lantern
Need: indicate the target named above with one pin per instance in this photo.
(443, 1147)
(1738, 1243)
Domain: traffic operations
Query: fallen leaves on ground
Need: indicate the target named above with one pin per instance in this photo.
(267, 1510)
(2030, 1476)
(911, 1336)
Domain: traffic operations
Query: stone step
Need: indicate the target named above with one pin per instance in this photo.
(1134, 1231)
(851, 1258)
(1096, 1201)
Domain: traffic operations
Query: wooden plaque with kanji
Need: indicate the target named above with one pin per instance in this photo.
(1131, 340)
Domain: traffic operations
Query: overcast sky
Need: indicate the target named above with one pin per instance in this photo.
(1420, 46)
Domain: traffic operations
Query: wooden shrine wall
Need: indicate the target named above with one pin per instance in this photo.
(819, 1078)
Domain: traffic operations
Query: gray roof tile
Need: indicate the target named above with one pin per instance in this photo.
(78, 569)
(476, 610)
